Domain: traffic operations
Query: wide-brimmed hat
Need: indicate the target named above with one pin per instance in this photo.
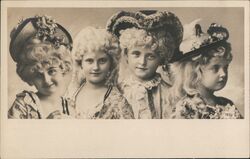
(198, 42)
(152, 21)
(43, 28)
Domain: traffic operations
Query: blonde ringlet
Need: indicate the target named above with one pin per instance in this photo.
(186, 74)
(92, 39)
(158, 41)
(36, 55)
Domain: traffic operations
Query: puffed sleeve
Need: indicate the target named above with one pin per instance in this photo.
(24, 107)
(18, 109)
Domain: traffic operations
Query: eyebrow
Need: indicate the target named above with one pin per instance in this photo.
(136, 51)
(53, 67)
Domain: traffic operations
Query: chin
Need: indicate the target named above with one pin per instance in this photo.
(51, 92)
(96, 81)
(217, 88)
(46, 93)
(141, 75)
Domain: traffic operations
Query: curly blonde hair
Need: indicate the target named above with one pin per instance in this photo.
(92, 39)
(159, 41)
(37, 55)
(186, 74)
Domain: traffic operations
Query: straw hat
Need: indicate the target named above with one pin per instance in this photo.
(197, 42)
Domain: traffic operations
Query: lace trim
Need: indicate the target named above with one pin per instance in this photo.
(146, 84)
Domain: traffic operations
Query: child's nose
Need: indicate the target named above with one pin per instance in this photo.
(222, 72)
(142, 60)
(47, 78)
(96, 66)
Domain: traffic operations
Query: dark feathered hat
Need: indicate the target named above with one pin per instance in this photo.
(43, 28)
(149, 20)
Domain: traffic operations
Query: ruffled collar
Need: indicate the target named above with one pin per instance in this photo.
(146, 84)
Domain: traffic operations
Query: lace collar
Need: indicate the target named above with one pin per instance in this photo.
(146, 84)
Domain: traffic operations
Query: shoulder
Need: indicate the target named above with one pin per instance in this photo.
(115, 96)
(73, 89)
(116, 106)
(191, 100)
(125, 84)
(25, 101)
(223, 101)
(26, 97)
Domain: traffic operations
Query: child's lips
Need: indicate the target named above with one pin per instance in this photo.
(49, 85)
(222, 81)
(95, 73)
(141, 68)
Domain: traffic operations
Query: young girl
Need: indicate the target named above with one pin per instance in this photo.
(199, 72)
(98, 54)
(148, 40)
(41, 49)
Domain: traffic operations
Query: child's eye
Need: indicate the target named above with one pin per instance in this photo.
(151, 57)
(103, 60)
(136, 53)
(216, 68)
(90, 61)
(52, 71)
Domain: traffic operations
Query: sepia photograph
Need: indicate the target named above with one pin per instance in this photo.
(155, 63)
(91, 60)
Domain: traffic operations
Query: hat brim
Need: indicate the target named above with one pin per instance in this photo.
(202, 50)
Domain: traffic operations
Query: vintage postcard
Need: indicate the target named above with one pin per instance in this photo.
(124, 79)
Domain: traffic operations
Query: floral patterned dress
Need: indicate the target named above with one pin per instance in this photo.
(27, 106)
(113, 106)
(194, 107)
(148, 99)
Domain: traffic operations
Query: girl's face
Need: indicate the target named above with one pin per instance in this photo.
(215, 73)
(143, 62)
(49, 81)
(96, 67)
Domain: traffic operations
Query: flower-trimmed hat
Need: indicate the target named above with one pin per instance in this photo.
(197, 42)
(39, 27)
(159, 23)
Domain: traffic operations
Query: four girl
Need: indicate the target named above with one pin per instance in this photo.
(146, 40)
